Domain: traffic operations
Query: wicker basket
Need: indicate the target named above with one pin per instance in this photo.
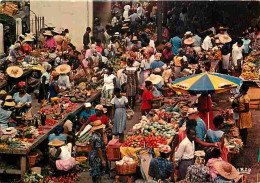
(32, 159)
(126, 169)
(81, 159)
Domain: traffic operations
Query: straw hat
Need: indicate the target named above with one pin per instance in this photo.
(28, 39)
(56, 142)
(14, 71)
(63, 69)
(192, 111)
(101, 108)
(135, 38)
(164, 148)
(30, 35)
(9, 101)
(47, 33)
(188, 33)
(223, 28)
(39, 67)
(189, 41)
(155, 79)
(226, 170)
(97, 125)
(166, 75)
(168, 44)
(224, 39)
(3, 92)
(124, 26)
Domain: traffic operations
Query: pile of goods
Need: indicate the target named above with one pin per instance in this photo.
(234, 144)
(9, 8)
(155, 129)
(5, 143)
(249, 71)
(32, 178)
(77, 95)
(136, 141)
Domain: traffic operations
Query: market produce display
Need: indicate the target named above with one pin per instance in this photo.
(250, 68)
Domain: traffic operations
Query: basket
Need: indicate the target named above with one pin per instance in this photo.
(81, 159)
(126, 169)
(86, 148)
(32, 159)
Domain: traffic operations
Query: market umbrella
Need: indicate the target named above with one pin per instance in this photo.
(205, 83)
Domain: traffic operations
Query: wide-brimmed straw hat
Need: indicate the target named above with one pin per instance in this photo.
(48, 33)
(97, 125)
(189, 41)
(28, 39)
(3, 92)
(226, 170)
(9, 101)
(192, 111)
(101, 108)
(135, 38)
(155, 79)
(224, 39)
(56, 142)
(164, 148)
(14, 71)
(39, 67)
(63, 69)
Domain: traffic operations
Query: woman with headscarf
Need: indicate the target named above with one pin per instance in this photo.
(15, 53)
(54, 88)
(22, 97)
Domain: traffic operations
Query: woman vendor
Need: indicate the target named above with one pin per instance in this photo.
(5, 112)
(22, 97)
(16, 53)
(86, 113)
(245, 116)
(68, 126)
(54, 88)
(64, 80)
(62, 155)
(119, 114)
(50, 42)
(97, 156)
(100, 110)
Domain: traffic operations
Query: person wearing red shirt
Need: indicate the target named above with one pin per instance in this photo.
(100, 110)
(148, 97)
(99, 46)
(27, 48)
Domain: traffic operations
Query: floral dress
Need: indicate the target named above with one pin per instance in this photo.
(131, 85)
(95, 162)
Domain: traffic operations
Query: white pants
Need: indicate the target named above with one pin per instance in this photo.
(225, 63)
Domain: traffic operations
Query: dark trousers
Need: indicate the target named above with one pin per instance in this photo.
(183, 166)
(243, 134)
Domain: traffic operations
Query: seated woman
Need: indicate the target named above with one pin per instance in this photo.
(215, 154)
(218, 135)
(22, 97)
(61, 154)
(58, 134)
(68, 126)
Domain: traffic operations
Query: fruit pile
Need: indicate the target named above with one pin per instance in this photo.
(141, 141)
(155, 129)
(249, 71)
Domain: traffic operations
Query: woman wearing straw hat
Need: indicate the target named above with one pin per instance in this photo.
(225, 51)
(22, 97)
(226, 172)
(26, 46)
(64, 80)
(97, 156)
(5, 112)
(63, 159)
(50, 42)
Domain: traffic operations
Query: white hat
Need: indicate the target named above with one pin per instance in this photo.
(155, 79)
(87, 105)
(188, 33)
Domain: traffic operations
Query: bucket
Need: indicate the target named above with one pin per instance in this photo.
(32, 159)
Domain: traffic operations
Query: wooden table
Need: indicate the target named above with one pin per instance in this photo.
(23, 152)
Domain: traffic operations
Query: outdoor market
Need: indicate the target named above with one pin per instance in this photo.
(151, 92)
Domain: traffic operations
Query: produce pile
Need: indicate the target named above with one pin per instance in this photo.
(250, 68)
(141, 141)
(32, 178)
(156, 129)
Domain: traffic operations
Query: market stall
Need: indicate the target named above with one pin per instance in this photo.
(24, 148)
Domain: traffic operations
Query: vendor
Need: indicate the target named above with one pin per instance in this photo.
(58, 134)
(44, 83)
(15, 53)
(216, 135)
(161, 168)
(68, 125)
(225, 172)
(62, 157)
(6, 114)
(157, 82)
(54, 88)
(22, 96)
(179, 62)
(26, 46)
(97, 156)
(64, 80)
(147, 98)
(157, 63)
(86, 113)
(100, 110)
(50, 42)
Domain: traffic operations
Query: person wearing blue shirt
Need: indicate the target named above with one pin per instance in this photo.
(176, 43)
(157, 63)
(193, 113)
(246, 43)
(85, 114)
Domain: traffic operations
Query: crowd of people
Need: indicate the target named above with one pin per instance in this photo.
(146, 68)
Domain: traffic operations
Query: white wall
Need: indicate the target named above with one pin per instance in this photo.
(72, 14)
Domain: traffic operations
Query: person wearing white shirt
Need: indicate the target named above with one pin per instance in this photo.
(237, 51)
(185, 153)
(207, 44)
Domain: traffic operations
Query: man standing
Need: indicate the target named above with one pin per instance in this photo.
(86, 39)
(185, 153)
(176, 43)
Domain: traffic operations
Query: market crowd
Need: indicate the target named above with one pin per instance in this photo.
(125, 60)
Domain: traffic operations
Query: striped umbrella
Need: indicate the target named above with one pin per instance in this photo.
(205, 83)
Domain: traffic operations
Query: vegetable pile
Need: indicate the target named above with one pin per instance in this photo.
(141, 141)
(156, 129)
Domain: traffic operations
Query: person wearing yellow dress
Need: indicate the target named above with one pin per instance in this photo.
(245, 116)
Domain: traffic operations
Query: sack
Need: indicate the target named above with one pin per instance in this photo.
(129, 114)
